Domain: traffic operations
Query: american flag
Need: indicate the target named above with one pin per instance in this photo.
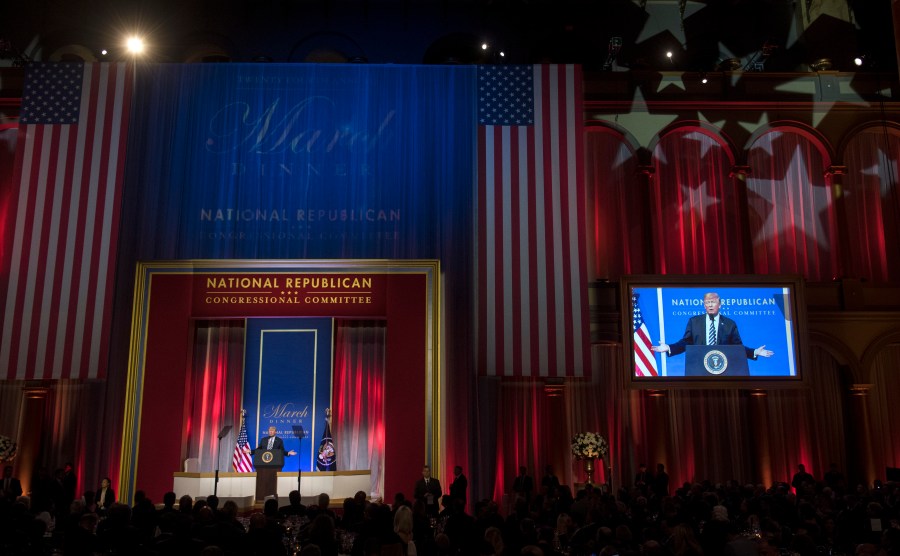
(59, 246)
(531, 265)
(239, 459)
(644, 359)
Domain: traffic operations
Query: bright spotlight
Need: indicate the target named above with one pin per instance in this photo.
(135, 45)
(502, 54)
(104, 52)
(484, 46)
(669, 54)
(858, 60)
(704, 80)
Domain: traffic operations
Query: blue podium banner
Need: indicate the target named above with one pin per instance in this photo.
(287, 383)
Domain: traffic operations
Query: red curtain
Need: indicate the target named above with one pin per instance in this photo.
(615, 190)
(872, 204)
(358, 399)
(792, 217)
(696, 207)
(215, 384)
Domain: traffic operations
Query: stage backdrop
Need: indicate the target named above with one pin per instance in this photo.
(287, 383)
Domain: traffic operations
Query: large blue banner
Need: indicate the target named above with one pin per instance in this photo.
(287, 383)
(299, 161)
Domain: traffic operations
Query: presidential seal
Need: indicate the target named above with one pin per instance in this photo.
(715, 362)
(267, 457)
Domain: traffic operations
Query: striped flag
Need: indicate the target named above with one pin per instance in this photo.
(644, 359)
(59, 244)
(239, 459)
(532, 273)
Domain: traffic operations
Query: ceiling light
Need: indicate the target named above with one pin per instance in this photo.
(135, 45)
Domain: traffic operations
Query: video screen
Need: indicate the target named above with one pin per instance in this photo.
(713, 331)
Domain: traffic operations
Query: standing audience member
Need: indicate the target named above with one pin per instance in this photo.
(428, 490)
(523, 485)
(403, 527)
(550, 482)
(661, 481)
(459, 486)
(802, 480)
(10, 488)
(105, 496)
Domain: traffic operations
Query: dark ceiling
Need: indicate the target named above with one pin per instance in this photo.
(766, 35)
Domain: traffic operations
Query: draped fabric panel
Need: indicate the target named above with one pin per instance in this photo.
(614, 190)
(884, 415)
(359, 397)
(522, 430)
(707, 436)
(807, 426)
(695, 206)
(10, 406)
(215, 384)
(871, 201)
(71, 404)
(749, 436)
(792, 216)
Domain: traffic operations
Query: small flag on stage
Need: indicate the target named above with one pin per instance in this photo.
(241, 459)
(326, 460)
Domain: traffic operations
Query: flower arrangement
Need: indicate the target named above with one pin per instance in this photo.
(589, 445)
(8, 449)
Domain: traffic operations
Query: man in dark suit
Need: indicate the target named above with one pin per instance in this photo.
(428, 490)
(711, 329)
(458, 486)
(10, 487)
(270, 442)
(523, 484)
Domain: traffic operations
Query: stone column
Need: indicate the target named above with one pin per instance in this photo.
(739, 175)
(759, 422)
(31, 428)
(648, 190)
(859, 438)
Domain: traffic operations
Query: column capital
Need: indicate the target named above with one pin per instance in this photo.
(835, 170)
(646, 170)
(861, 389)
(740, 172)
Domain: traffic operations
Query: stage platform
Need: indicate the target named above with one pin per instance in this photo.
(241, 487)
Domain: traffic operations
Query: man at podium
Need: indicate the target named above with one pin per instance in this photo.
(711, 329)
(270, 443)
(268, 459)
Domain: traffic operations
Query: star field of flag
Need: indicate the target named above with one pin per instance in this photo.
(52, 93)
(505, 95)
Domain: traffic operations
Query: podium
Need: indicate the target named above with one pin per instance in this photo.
(714, 361)
(267, 464)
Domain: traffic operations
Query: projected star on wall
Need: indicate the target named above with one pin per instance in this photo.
(697, 200)
(643, 123)
(883, 169)
(662, 14)
(775, 224)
